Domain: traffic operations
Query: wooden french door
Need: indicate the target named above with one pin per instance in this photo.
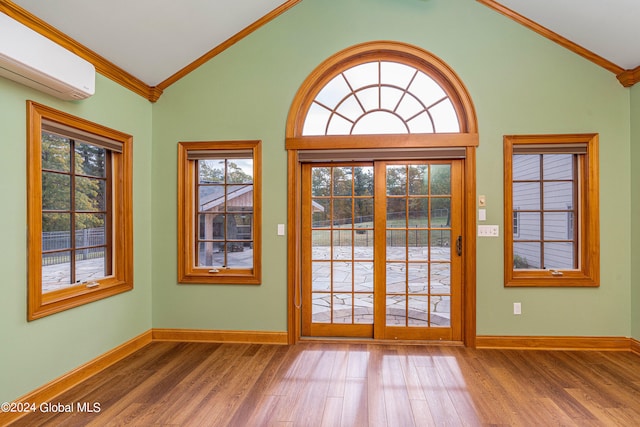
(381, 249)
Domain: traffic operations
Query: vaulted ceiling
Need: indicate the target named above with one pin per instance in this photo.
(152, 43)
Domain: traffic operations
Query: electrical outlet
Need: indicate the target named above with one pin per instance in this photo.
(517, 308)
(488, 230)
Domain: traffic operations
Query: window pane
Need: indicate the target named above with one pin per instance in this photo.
(363, 276)
(333, 92)
(363, 308)
(558, 226)
(396, 310)
(363, 181)
(211, 171)
(56, 191)
(238, 227)
(90, 160)
(418, 311)
(321, 244)
(421, 124)
(557, 166)
(239, 256)
(426, 89)
(396, 74)
(342, 244)
(396, 180)
(526, 167)
(440, 180)
(91, 264)
(239, 198)
(350, 108)
(445, 117)
(321, 308)
(342, 215)
(528, 226)
(390, 97)
(90, 230)
(210, 254)
(240, 171)
(419, 278)
(418, 245)
(440, 245)
(342, 180)
(440, 212)
(342, 276)
(379, 122)
(397, 212)
(342, 304)
(440, 278)
(396, 244)
(559, 255)
(363, 212)
(316, 121)
(419, 180)
(419, 212)
(211, 198)
(526, 255)
(90, 194)
(363, 75)
(526, 196)
(56, 271)
(321, 182)
(211, 226)
(59, 225)
(55, 152)
(320, 211)
(440, 311)
(558, 195)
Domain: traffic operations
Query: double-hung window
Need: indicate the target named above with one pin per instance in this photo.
(79, 211)
(219, 212)
(551, 195)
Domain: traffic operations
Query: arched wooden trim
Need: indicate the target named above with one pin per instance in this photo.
(295, 141)
(382, 50)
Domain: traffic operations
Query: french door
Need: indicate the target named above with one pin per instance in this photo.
(382, 249)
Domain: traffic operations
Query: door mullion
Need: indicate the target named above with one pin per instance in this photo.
(380, 254)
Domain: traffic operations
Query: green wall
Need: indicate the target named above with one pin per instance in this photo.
(34, 353)
(635, 212)
(519, 82)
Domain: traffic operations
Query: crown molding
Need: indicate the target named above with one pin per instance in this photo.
(626, 77)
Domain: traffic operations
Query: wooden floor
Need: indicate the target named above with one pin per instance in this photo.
(312, 384)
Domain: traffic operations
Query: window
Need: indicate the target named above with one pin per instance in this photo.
(551, 192)
(79, 211)
(219, 214)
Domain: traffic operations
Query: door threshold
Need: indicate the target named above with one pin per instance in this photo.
(351, 340)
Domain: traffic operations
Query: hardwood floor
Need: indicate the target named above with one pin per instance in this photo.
(314, 384)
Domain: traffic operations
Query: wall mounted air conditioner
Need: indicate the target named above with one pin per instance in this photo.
(33, 60)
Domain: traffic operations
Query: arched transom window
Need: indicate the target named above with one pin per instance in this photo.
(381, 97)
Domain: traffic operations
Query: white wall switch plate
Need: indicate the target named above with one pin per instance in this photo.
(482, 214)
(280, 229)
(517, 308)
(488, 230)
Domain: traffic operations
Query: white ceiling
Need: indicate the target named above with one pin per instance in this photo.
(153, 39)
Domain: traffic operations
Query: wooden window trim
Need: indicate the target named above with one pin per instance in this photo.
(188, 273)
(588, 272)
(121, 280)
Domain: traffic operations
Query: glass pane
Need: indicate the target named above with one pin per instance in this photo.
(342, 276)
(418, 311)
(342, 180)
(363, 75)
(440, 282)
(240, 171)
(421, 124)
(333, 92)
(396, 244)
(321, 308)
(56, 271)
(440, 311)
(419, 278)
(396, 278)
(526, 196)
(559, 255)
(339, 126)
(363, 276)
(445, 117)
(342, 308)
(316, 121)
(342, 244)
(379, 122)
(239, 227)
(210, 254)
(321, 244)
(369, 98)
(396, 310)
(320, 211)
(321, 182)
(211, 226)
(56, 191)
(418, 245)
(440, 180)
(397, 212)
(526, 255)
(390, 97)
(350, 108)
(409, 106)
(363, 181)
(558, 195)
(419, 212)
(558, 226)
(526, 167)
(342, 210)
(396, 180)
(90, 230)
(557, 166)
(56, 231)
(239, 255)
(211, 171)
(440, 245)
(440, 212)
(55, 152)
(363, 244)
(90, 160)
(528, 226)
(364, 213)
(363, 308)
(211, 198)
(419, 180)
(320, 276)
(91, 194)
(396, 74)
(91, 264)
(240, 198)
(426, 89)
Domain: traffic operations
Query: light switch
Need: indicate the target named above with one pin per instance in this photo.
(482, 201)
(488, 230)
(482, 214)
(280, 229)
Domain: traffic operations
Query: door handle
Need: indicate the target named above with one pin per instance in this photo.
(459, 245)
